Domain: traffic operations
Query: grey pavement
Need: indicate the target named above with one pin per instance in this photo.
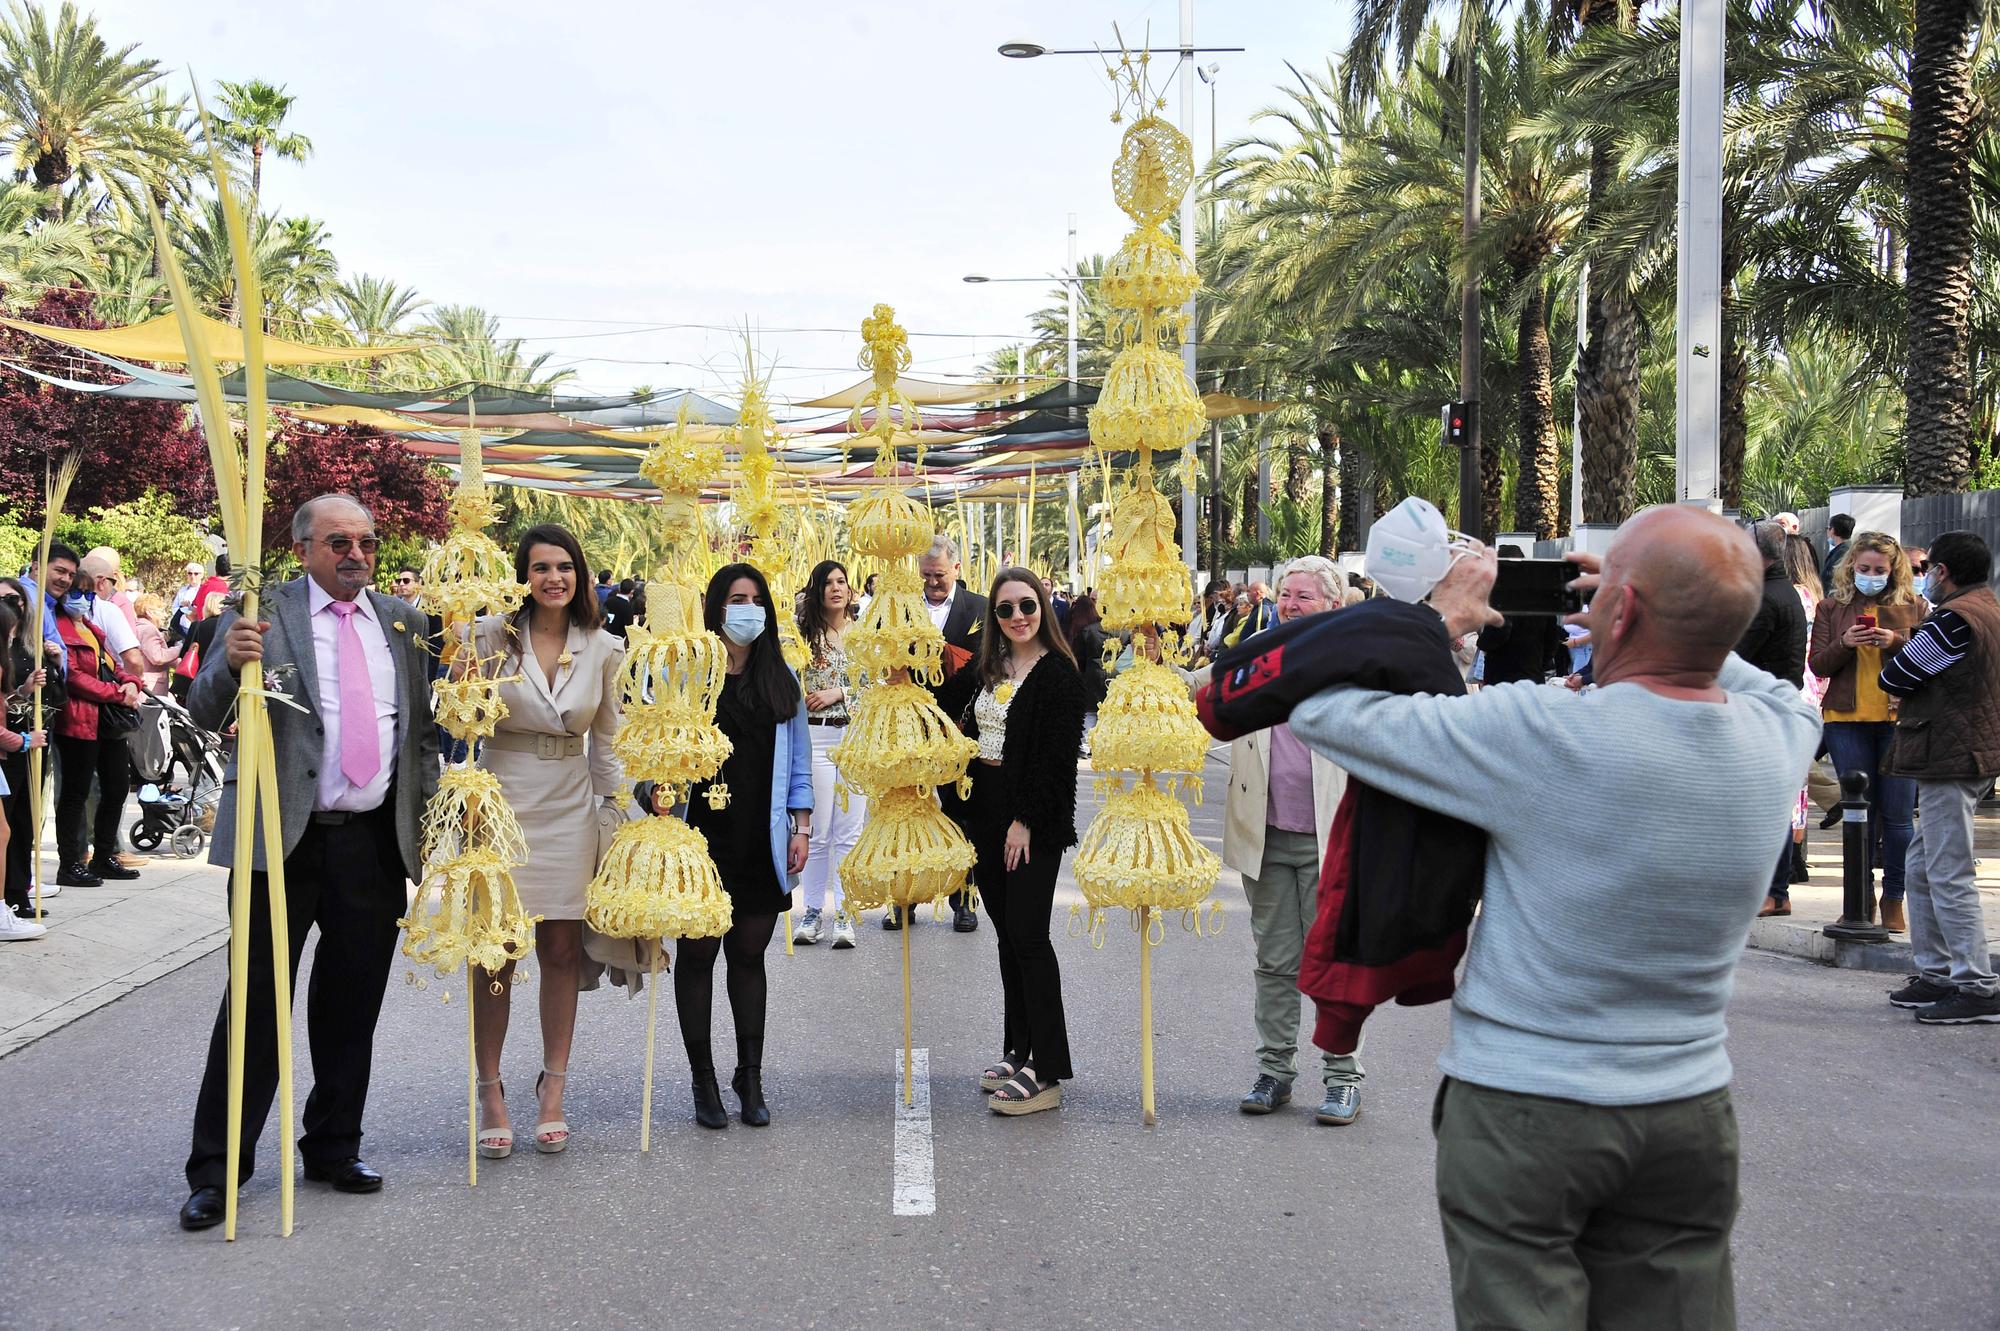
(1870, 1164)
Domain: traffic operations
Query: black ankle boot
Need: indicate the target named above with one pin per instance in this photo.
(708, 1110)
(749, 1086)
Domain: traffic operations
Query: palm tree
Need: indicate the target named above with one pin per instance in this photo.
(1937, 385)
(374, 309)
(1050, 323)
(34, 258)
(72, 109)
(470, 349)
(294, 265)
(253, 117)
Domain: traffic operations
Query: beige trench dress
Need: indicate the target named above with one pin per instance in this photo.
(555, 798)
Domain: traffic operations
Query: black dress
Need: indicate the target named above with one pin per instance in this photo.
(739, 833)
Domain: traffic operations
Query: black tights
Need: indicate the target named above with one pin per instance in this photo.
(694, 990)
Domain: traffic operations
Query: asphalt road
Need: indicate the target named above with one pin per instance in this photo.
(1871, 1167)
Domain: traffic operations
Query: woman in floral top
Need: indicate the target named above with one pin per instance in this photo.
(825, 611)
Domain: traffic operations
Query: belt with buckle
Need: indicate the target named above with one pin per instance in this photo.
(546, 747)
(826, 720)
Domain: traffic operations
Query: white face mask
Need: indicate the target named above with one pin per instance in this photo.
(1871, 584)
(742, 624)
(1931, 589)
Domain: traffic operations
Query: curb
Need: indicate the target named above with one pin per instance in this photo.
(1792, 938)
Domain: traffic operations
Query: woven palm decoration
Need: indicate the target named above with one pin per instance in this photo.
(658, 880)
(899, 747)
(757, 506)
(1139, 853)
(472, 842)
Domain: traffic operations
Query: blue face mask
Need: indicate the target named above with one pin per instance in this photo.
(1931, 589)
(78, 603)
(742, 624)
(1871, 584)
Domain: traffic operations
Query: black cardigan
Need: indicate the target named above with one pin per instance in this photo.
(1044, 736)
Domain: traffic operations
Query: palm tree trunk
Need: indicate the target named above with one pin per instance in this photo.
(1331, 500)
(256, 174)
(1538, 486)
(1477, 476)
(1298, 470)
(1607, 376)
(1247, 517)
(1937, 387)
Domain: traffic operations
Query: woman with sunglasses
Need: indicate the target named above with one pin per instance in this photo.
(1023, 702)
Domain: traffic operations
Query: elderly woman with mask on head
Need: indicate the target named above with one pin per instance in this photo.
(1279, 812)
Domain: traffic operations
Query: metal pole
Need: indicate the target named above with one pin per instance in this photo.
(1214, 427)
(1188, 348)
(1857, 922)
(1698, 303)
(1071, 287)
(1471, 346)
(1069, 290)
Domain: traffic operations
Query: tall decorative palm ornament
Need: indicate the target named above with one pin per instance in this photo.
(1139, 853)
(658, 880)
(899, 747)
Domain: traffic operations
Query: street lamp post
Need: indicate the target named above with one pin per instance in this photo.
(1208, 75)
(1187, 50)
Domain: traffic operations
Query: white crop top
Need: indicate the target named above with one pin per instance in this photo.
(991, 714)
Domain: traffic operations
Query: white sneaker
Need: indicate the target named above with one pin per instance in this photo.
(843, 931)
(807, 931)
(14, 929)
(50, 890)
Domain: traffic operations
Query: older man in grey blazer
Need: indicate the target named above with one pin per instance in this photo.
(351, 799)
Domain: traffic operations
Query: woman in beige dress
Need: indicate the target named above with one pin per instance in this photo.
(552, 753)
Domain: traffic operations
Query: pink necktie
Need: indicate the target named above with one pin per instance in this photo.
(360, 744)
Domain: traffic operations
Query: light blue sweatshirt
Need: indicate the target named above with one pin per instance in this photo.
(1632, 838)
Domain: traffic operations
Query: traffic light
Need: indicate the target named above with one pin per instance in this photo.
(1457, 424)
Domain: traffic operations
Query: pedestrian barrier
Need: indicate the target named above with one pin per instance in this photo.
(1857, 922)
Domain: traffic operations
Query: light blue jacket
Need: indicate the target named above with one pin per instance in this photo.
(791, 785)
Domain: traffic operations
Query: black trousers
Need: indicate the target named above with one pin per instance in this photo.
(109, 761)
(20, 885)
(1019, 904)
(347, 878)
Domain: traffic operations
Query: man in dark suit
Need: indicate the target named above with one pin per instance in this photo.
(351, 799)
(1839, 530)
(958, 614)
(618, 611)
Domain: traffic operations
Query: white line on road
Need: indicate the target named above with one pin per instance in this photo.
(915, 1191)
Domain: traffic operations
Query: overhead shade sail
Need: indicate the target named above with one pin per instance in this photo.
(1221, 406)
(925, 393)
(160, 339)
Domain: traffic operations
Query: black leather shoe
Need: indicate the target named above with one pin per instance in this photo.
(110, 869)
(708, 1110)
(1266, 1094)
(350, 1175)
(964, 921)
(77, 875)
(748, 1083)
(893, 920)
(202, 1209)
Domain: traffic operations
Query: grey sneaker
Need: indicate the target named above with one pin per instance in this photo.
(807, 931)
(843, 931)
(1962, 1009)
(1341, 1106)
(1920, 992)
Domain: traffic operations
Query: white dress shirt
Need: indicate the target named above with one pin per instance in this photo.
(941, 612)
(336, 792)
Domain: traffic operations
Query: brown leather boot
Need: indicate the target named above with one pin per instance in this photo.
(1893, 918)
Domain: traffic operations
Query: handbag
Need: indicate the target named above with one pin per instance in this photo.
(610, 817)
(113, 718)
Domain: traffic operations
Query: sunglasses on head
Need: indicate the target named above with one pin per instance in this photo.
(1027, 607)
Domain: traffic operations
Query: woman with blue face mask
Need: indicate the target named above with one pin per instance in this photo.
(1867, 614)
(758, 838)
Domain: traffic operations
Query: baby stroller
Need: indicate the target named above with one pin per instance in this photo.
(180, 766)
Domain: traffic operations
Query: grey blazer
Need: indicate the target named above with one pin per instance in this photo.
(298, 736)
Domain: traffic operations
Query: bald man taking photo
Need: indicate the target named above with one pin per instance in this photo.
(1587, 1147)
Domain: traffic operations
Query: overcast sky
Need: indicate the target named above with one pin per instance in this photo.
(591, 170)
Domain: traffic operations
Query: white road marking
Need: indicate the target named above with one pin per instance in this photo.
(915, 1191)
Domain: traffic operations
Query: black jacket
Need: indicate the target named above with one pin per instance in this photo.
(1522, 647)
(1826, 566)
(1044, 735)
(1775, 642)
(962, 621)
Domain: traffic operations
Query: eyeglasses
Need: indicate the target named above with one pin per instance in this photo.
(344, 545)
(14, 601)
(1026, 607)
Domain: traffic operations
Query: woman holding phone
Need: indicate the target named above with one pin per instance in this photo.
(1865, 616)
